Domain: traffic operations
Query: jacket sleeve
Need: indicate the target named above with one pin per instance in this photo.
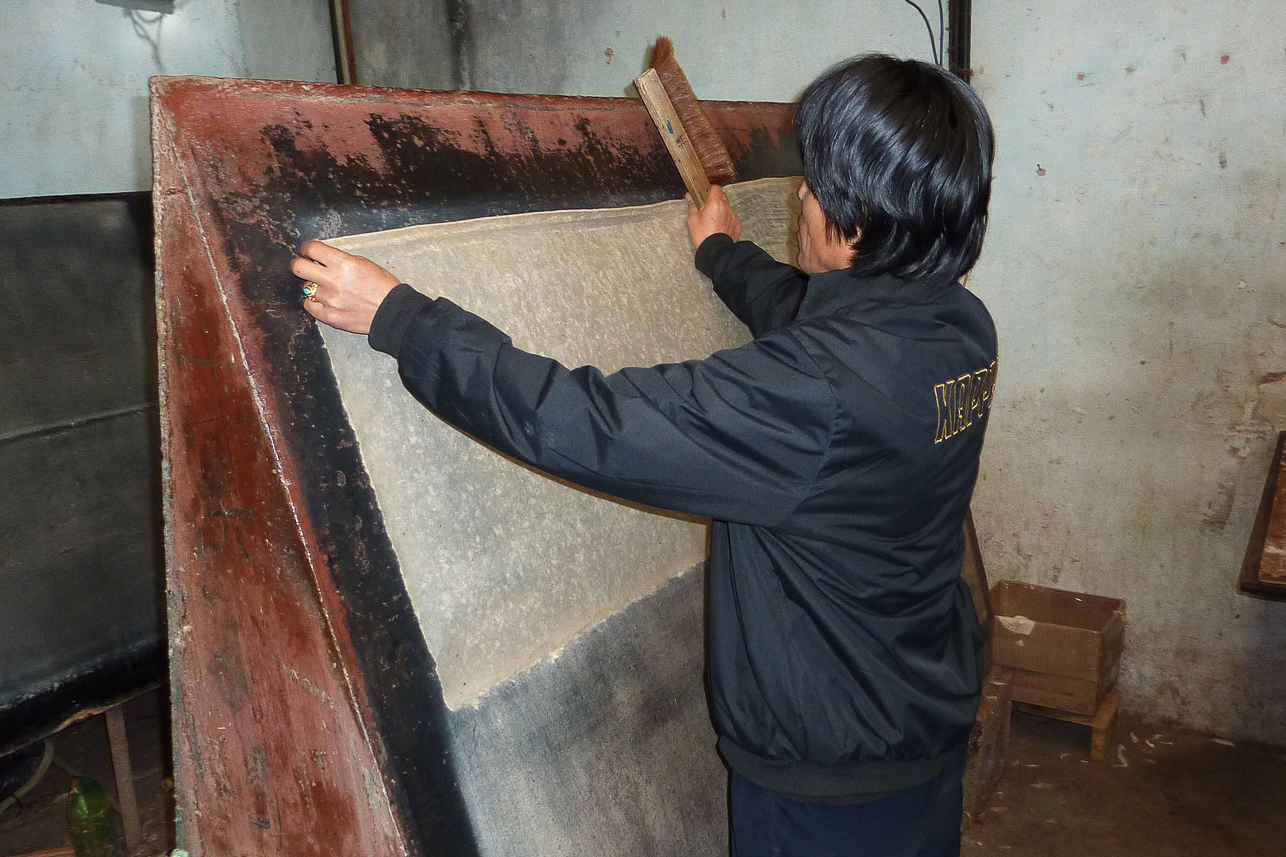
(764, 293)
(738, 436)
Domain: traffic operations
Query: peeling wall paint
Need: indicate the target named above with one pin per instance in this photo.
(1136, 265)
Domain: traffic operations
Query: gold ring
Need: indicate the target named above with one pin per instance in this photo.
(310, 289)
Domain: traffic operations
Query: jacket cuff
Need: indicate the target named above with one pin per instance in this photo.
(393, 317)
(710, 250)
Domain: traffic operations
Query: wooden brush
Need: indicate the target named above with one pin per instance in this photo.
(688, 135)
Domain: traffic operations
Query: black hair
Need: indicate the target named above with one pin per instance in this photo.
(898, 154)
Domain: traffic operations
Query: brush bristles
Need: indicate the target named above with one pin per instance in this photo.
(663, 53)
(710, 150)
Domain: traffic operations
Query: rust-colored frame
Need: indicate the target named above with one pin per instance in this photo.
(307, 714)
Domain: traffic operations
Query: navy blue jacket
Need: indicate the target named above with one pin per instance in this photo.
(836, 453)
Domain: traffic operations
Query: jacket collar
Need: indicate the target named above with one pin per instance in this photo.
(835, 290)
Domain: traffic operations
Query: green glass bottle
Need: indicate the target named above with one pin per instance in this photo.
(92, 821)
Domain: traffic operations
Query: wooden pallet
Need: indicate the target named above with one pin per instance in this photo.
(1101, 722)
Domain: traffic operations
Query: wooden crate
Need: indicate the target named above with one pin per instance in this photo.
(1064, 648)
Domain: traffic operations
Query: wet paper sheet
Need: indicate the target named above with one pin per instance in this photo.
(504, 565)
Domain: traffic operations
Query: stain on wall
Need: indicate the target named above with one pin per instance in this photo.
(605, 749)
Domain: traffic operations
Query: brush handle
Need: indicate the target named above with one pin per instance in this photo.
(675, 137)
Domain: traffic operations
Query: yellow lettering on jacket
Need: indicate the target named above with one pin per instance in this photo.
(960, 400)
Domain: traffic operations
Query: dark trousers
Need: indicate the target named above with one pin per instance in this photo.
(922, 821)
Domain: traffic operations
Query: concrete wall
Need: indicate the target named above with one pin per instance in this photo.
(758, 50)
(410, 44)
(1136, 266)
(73, 98)
(755, 50)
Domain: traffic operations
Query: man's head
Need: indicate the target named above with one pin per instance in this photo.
(898, 155)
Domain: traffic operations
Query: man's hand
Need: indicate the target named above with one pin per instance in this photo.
(716, 217)
(346, 290)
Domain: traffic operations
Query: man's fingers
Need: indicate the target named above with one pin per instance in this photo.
(321, 311)
(306, 269)
(343, 316)
(348, 289)
(717, 196)
(326, 300)
(322, 253)
(324, 314)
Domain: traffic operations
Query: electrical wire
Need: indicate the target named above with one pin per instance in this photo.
(141, 25)
(43, 768)
(933, 44)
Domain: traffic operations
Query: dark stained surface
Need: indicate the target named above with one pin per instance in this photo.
(307, 715)
(80, 564)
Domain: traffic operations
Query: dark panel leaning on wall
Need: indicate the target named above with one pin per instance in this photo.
(80, 558)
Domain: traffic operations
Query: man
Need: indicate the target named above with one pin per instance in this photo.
(836, 452)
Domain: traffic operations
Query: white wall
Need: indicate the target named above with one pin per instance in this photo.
(73, 98)
(1136, 267)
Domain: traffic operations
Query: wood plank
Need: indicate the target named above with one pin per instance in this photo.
(1101, 722)
(1272, 562)
(674, 135)
(1263, 567)
(123, 770)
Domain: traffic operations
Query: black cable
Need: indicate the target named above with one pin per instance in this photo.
(42, 768)
(933, 45)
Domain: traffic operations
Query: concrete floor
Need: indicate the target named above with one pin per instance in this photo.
(1161, 791)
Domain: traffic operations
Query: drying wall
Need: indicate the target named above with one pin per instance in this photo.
(326, 692)
(566, 627)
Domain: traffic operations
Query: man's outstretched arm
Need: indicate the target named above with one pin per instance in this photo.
(738, 436)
